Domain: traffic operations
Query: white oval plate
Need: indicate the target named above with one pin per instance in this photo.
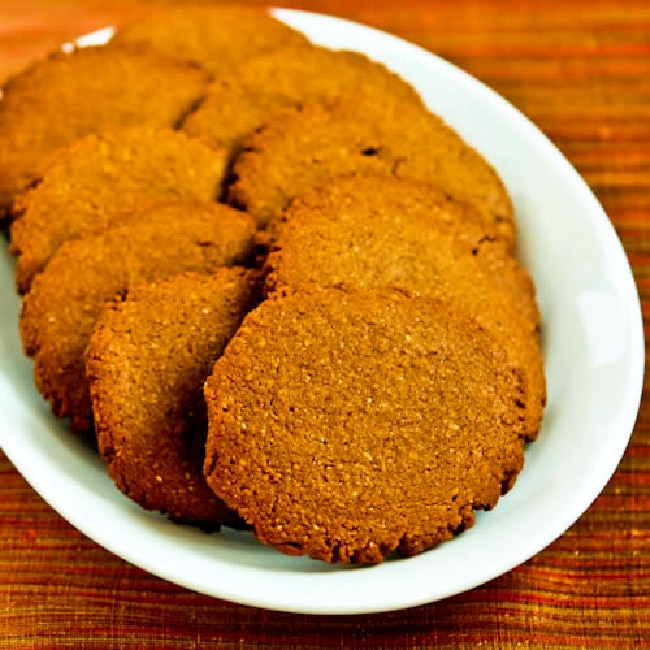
(593, 347)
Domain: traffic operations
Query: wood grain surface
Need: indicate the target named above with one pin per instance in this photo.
(581, 71)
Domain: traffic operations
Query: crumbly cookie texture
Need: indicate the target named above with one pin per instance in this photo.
(303, 146)
(346, 425)
(217, 37)
(67, 96)
(101, 176)
(280, 292)
(147, 362)
(374, 232)
(59, 313)
(237, 103)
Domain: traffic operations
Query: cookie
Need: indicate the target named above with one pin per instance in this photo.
(70, 95)
(218, 38)
(59, 313)
(347, 425)
(147, 361)
(378, 232)
(236, 104)
(103, 175)
(302, 146)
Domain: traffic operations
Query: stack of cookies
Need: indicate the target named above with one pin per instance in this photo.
(279, 292)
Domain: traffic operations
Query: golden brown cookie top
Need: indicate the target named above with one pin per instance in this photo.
(147, 361)
(66, 96)
(301, 146)
(216, 37)
(375, 232)
(99, 176)
(60, 311)
(236, 104)
(345, 425)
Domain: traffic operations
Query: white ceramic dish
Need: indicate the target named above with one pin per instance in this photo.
(593, 347)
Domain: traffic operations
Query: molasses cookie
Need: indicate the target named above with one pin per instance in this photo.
(236, 104)
(217, 37)
(147, 361)
(69, 95)
(103, 175)
(347, 425)
(302, 146)
(60, 311)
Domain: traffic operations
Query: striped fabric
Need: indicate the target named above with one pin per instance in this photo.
(581, 71)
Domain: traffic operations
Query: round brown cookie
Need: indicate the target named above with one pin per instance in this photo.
(147, 361)
(376, 232)
(237, 104)
(218, 38)
(66, 96)
(345, 425)
(301, 146)
(60, 311)
(99, 176)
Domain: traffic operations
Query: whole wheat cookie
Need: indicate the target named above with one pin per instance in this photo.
(217, 37)
(99, 176)
(378, 232)
(59, 313)
(236, 104)
(301, 146)
(147, 361)
(69, 95)
(347, 425)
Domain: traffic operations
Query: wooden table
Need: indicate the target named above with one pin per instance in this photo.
(581, 71)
